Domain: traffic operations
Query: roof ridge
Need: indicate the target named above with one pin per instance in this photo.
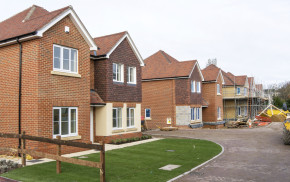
(30, 12)
(48, 13)
(164, 54)
(16, 14)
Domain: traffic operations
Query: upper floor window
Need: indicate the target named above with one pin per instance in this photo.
(147, 113)
(118, 72)
(130, 117)
(117, 117)
(238, 91)
(192, 86)
(218, 89)
(132, 75)
(65, 121)
(192, 114)
(65, 59)
(245, 91)
(198, 88)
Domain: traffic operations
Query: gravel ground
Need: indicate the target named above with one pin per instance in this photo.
(256, 154)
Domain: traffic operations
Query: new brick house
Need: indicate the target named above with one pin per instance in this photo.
(171, 92)
(116, 88)
(49, 77)
(213, 94)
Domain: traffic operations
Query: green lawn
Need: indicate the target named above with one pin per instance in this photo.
(136, 163)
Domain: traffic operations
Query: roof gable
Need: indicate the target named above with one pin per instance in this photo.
(34, 21)
(107, 44)
(160, 65)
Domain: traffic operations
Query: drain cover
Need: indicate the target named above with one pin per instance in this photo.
(170, 150)
(169, 167)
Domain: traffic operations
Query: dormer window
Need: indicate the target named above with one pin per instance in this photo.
(65, 59)
(118, 72)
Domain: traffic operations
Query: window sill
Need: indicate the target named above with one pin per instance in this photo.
(65, 74)
(131, 84)
(219, 94)
(219, 119)
(148, 118)
(195, 121)
(131, 129)
(118, 130)
(70, 138)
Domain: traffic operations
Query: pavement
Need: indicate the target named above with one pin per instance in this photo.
(256, 154)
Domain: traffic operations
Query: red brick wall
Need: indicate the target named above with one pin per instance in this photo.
(160, 98)
(41, 90)
(9, 73)
(118, 92)
(57, 90)
(183, 93)
(209, 91)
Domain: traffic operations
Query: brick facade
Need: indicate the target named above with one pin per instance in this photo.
(41, 90)
(118, 92)
(209, 91)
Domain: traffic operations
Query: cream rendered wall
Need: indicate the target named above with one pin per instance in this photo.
(102, 116)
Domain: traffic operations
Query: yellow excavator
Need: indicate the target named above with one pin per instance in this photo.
(286, 130)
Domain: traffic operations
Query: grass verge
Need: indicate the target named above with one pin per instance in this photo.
(137, 163)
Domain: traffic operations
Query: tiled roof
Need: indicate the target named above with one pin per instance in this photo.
(228, 80)
(162, 65)
(107, 42)
(27, 21)
(96, 99)
(210, 73)
(241, 80)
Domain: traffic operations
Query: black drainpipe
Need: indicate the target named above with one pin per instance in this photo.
(19, 100)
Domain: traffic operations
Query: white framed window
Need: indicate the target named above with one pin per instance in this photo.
(197, 113)
(219, 113)
(239, 111)
(65, 121)
(245, 111)
(117, 117)
(218, 89)
(192, 111)
(132, 75)
(147, 113)
(198, 88)
(192, 86)
(130, 117)
(118, 72)
(245, 91)
(65, 59)
(238, 91)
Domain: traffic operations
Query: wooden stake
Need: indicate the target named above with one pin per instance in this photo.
(102, 161)
(58, 163)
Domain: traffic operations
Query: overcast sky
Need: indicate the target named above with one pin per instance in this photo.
(247, 37)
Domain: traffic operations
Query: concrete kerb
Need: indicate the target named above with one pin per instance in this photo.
(173, 136)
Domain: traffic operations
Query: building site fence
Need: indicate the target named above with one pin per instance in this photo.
(23, 151)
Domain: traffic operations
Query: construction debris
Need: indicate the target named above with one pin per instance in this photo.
(236, 124)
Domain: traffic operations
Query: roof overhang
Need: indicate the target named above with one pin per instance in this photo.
(77, 22)
(39, 33)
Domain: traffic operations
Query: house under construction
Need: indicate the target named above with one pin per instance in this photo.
(242, 98)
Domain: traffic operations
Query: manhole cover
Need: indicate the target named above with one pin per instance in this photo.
(169, 167)
(170, 150)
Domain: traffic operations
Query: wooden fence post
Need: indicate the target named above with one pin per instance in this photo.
(102, 161)
(23, 155)
(58, 163)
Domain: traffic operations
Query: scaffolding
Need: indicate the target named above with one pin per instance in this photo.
(243, 104)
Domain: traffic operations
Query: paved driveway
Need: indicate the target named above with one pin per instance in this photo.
(256, 154)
